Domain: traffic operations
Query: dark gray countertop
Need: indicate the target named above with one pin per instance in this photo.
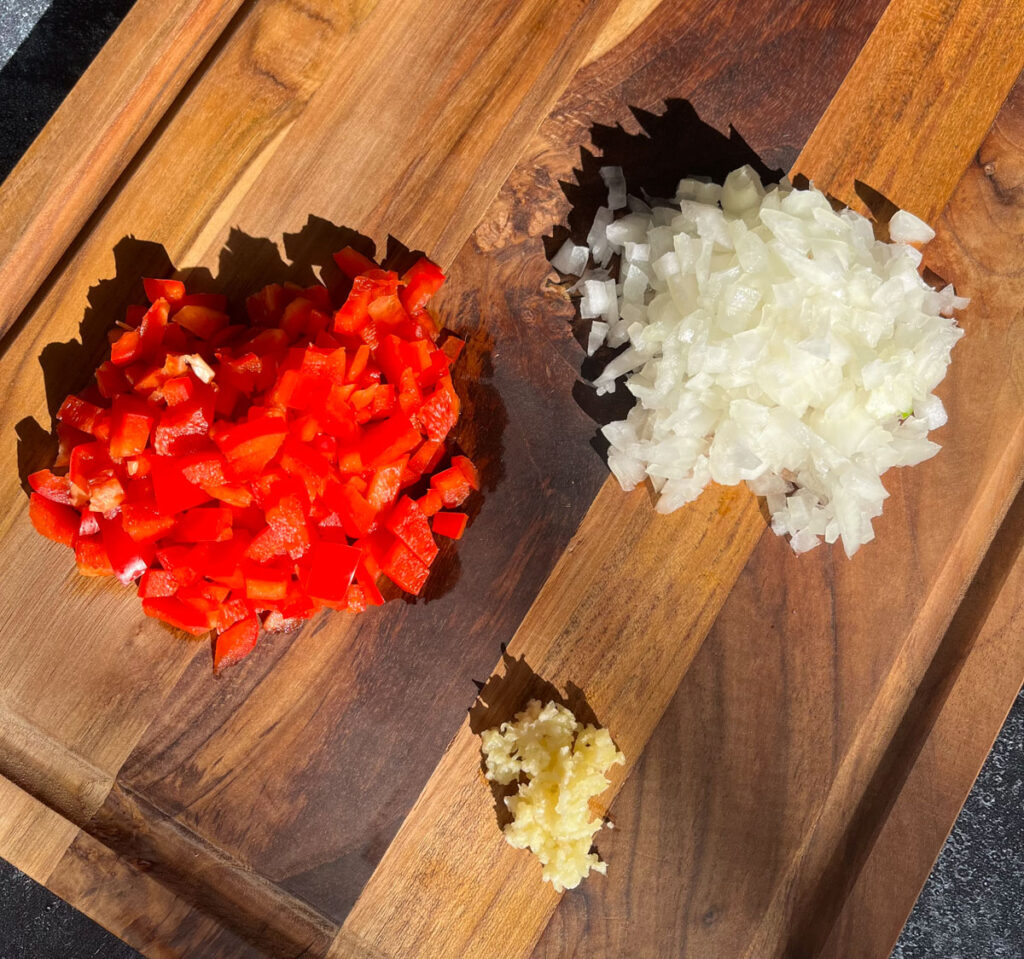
(971, 906)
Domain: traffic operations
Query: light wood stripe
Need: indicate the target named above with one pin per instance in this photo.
(95, 133)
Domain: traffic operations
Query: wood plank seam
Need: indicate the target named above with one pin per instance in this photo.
(989, 647)
(897, 763)
(90, 799)
(953, 579)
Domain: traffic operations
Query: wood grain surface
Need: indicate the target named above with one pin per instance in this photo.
(930, 66)
(74, 162)
(770, 806)
(180, 193)
(259, 807)
(962, 700)
(617, 635)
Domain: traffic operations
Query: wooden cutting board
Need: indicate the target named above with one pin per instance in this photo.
(326, 797)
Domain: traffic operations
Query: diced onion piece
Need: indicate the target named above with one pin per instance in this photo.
(616, 183)
(598, 331)
(571, 259)
(199, 366)
(595, 300)
(904, 227)
(771, 340)
(597, 238)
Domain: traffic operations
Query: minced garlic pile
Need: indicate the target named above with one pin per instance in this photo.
(564, 763)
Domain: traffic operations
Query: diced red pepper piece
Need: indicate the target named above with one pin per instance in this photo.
(270, 542)
(206, 596)
(235, 643)
(212, 301)
(183, 561)
(92, 471)
(204, 524)
(354, 312)
(173, 492)
(152, 329)
(91, 556)
(263, 582)
(452, 525)
(404, 568)
(111, 380)
(387, 312)
(131, 420)
(243, 372)
(231, 494)
(351, 262)
(410, 399)
(250, 446)
(184, 428)
(336, 365)
(201, 320)
(355, 599)
(170, 290)
(437, 415)
(422, 281)
(409, 524)
(329, 571)
(358, 516)
(144, 377)
(384, 442)
(128, 558)
(304, 461)
(206, 468)
(295, 318)
(88, 460)
(357, 365)
(363, 399)
(388, 356)
(177, 339)
(106, 493)
(55, 488)
(465, 464)
(53, 520)
(384, 486)
(418, 355)
(80, 414)
(224, 560)
(177, 613)
(439, 366)
(368, 580)
(157, 582)
(430, 502)
(88, 526)
(125, 349)
(426, 457)
(143, 523)
(286, 512)
(176, 390)
(233, 609)
(453, 486)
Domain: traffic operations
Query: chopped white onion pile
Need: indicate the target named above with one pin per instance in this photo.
(770, 339)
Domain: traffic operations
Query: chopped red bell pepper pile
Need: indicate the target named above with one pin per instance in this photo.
(247, 475)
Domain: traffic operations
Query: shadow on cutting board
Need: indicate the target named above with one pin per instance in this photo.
(669, 146)
(506, 693)
(246, 264)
